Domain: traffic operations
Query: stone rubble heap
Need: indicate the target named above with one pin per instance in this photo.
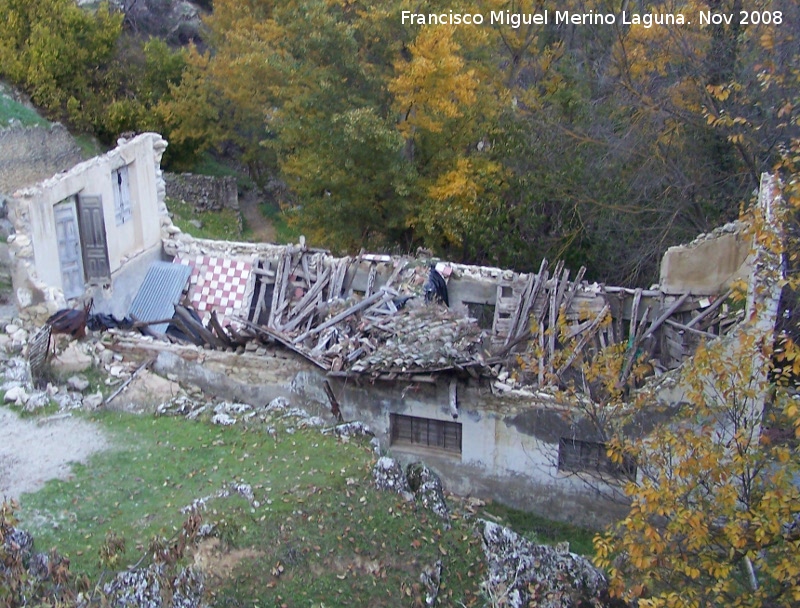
(521, 573)
(142, 588)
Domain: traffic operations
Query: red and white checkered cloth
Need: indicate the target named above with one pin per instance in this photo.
(218, 284)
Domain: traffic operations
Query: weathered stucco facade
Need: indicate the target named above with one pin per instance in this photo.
(76, 231)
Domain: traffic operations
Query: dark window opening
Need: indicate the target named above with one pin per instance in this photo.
(411, 430)
(578, 456)
(482, 313)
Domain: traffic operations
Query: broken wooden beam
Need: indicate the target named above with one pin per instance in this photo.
(197, 328)
(216, 326)
(682, 327)
(335, 409)
(666, 314)
(717, 303)
(285, 340)
(342, 315)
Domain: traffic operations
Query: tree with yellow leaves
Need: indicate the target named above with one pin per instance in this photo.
(714, 514)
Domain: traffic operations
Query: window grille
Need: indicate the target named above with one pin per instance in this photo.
(440, 434)
(577, 456)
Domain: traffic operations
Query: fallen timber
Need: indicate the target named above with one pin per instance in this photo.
(365, 317)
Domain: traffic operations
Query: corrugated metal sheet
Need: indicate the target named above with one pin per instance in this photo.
(160, 291)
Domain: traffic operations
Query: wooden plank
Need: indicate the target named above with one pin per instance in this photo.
(637, 298)
(666, 314)
(575, 286)
(588, 334)
(525, 315)
(399, 267)
(517, 315)
(541, 357)
(633, 347)
(559, 284)
(308, 303)
(373, 273)
(258, 293)
(306, 270)
(280, 274)
(337, 282)
(335, 409)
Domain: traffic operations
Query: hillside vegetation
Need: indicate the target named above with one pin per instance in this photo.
(600, 144)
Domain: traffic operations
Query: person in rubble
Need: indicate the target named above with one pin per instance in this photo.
(435, 287)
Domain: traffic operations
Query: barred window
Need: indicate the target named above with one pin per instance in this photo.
(577, 456)
(123, 209)
(411, 430)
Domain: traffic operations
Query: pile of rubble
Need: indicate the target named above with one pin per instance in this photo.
(522, 573)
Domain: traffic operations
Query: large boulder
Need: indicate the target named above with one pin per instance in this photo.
(388, 474)
(427, 488)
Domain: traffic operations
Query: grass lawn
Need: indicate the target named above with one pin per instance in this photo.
(11, 110)
(222, 225)
(318, 535)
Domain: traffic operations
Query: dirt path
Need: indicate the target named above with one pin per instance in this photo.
(260, 228)
(35, 451)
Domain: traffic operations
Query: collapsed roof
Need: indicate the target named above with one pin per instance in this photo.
(369, 316)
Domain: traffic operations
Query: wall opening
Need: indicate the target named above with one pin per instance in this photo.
(482, 313)
(438, 434)
(123, 208)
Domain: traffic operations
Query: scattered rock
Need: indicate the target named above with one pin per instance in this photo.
(279, 404)
(521, 573)
(232, 409)
(37, 400)
(16, 395)
(142, 588)
(78, 383)
(223, 419)
(350, 429)
(72, 359)
(427, 488)
(431, 578)
(92, 402)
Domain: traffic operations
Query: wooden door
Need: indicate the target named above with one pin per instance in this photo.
(69, 248)
(93, 239)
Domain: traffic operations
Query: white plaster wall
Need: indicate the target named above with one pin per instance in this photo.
(93, 177)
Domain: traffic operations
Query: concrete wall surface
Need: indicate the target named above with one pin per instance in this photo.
(708, 265)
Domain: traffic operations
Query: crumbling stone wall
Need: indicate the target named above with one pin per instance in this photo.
(205, 192)
(31, 154)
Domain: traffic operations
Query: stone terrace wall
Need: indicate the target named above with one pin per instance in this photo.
(205, 192)
(30, 154)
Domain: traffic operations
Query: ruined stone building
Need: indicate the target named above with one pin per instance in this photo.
(470, 386)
